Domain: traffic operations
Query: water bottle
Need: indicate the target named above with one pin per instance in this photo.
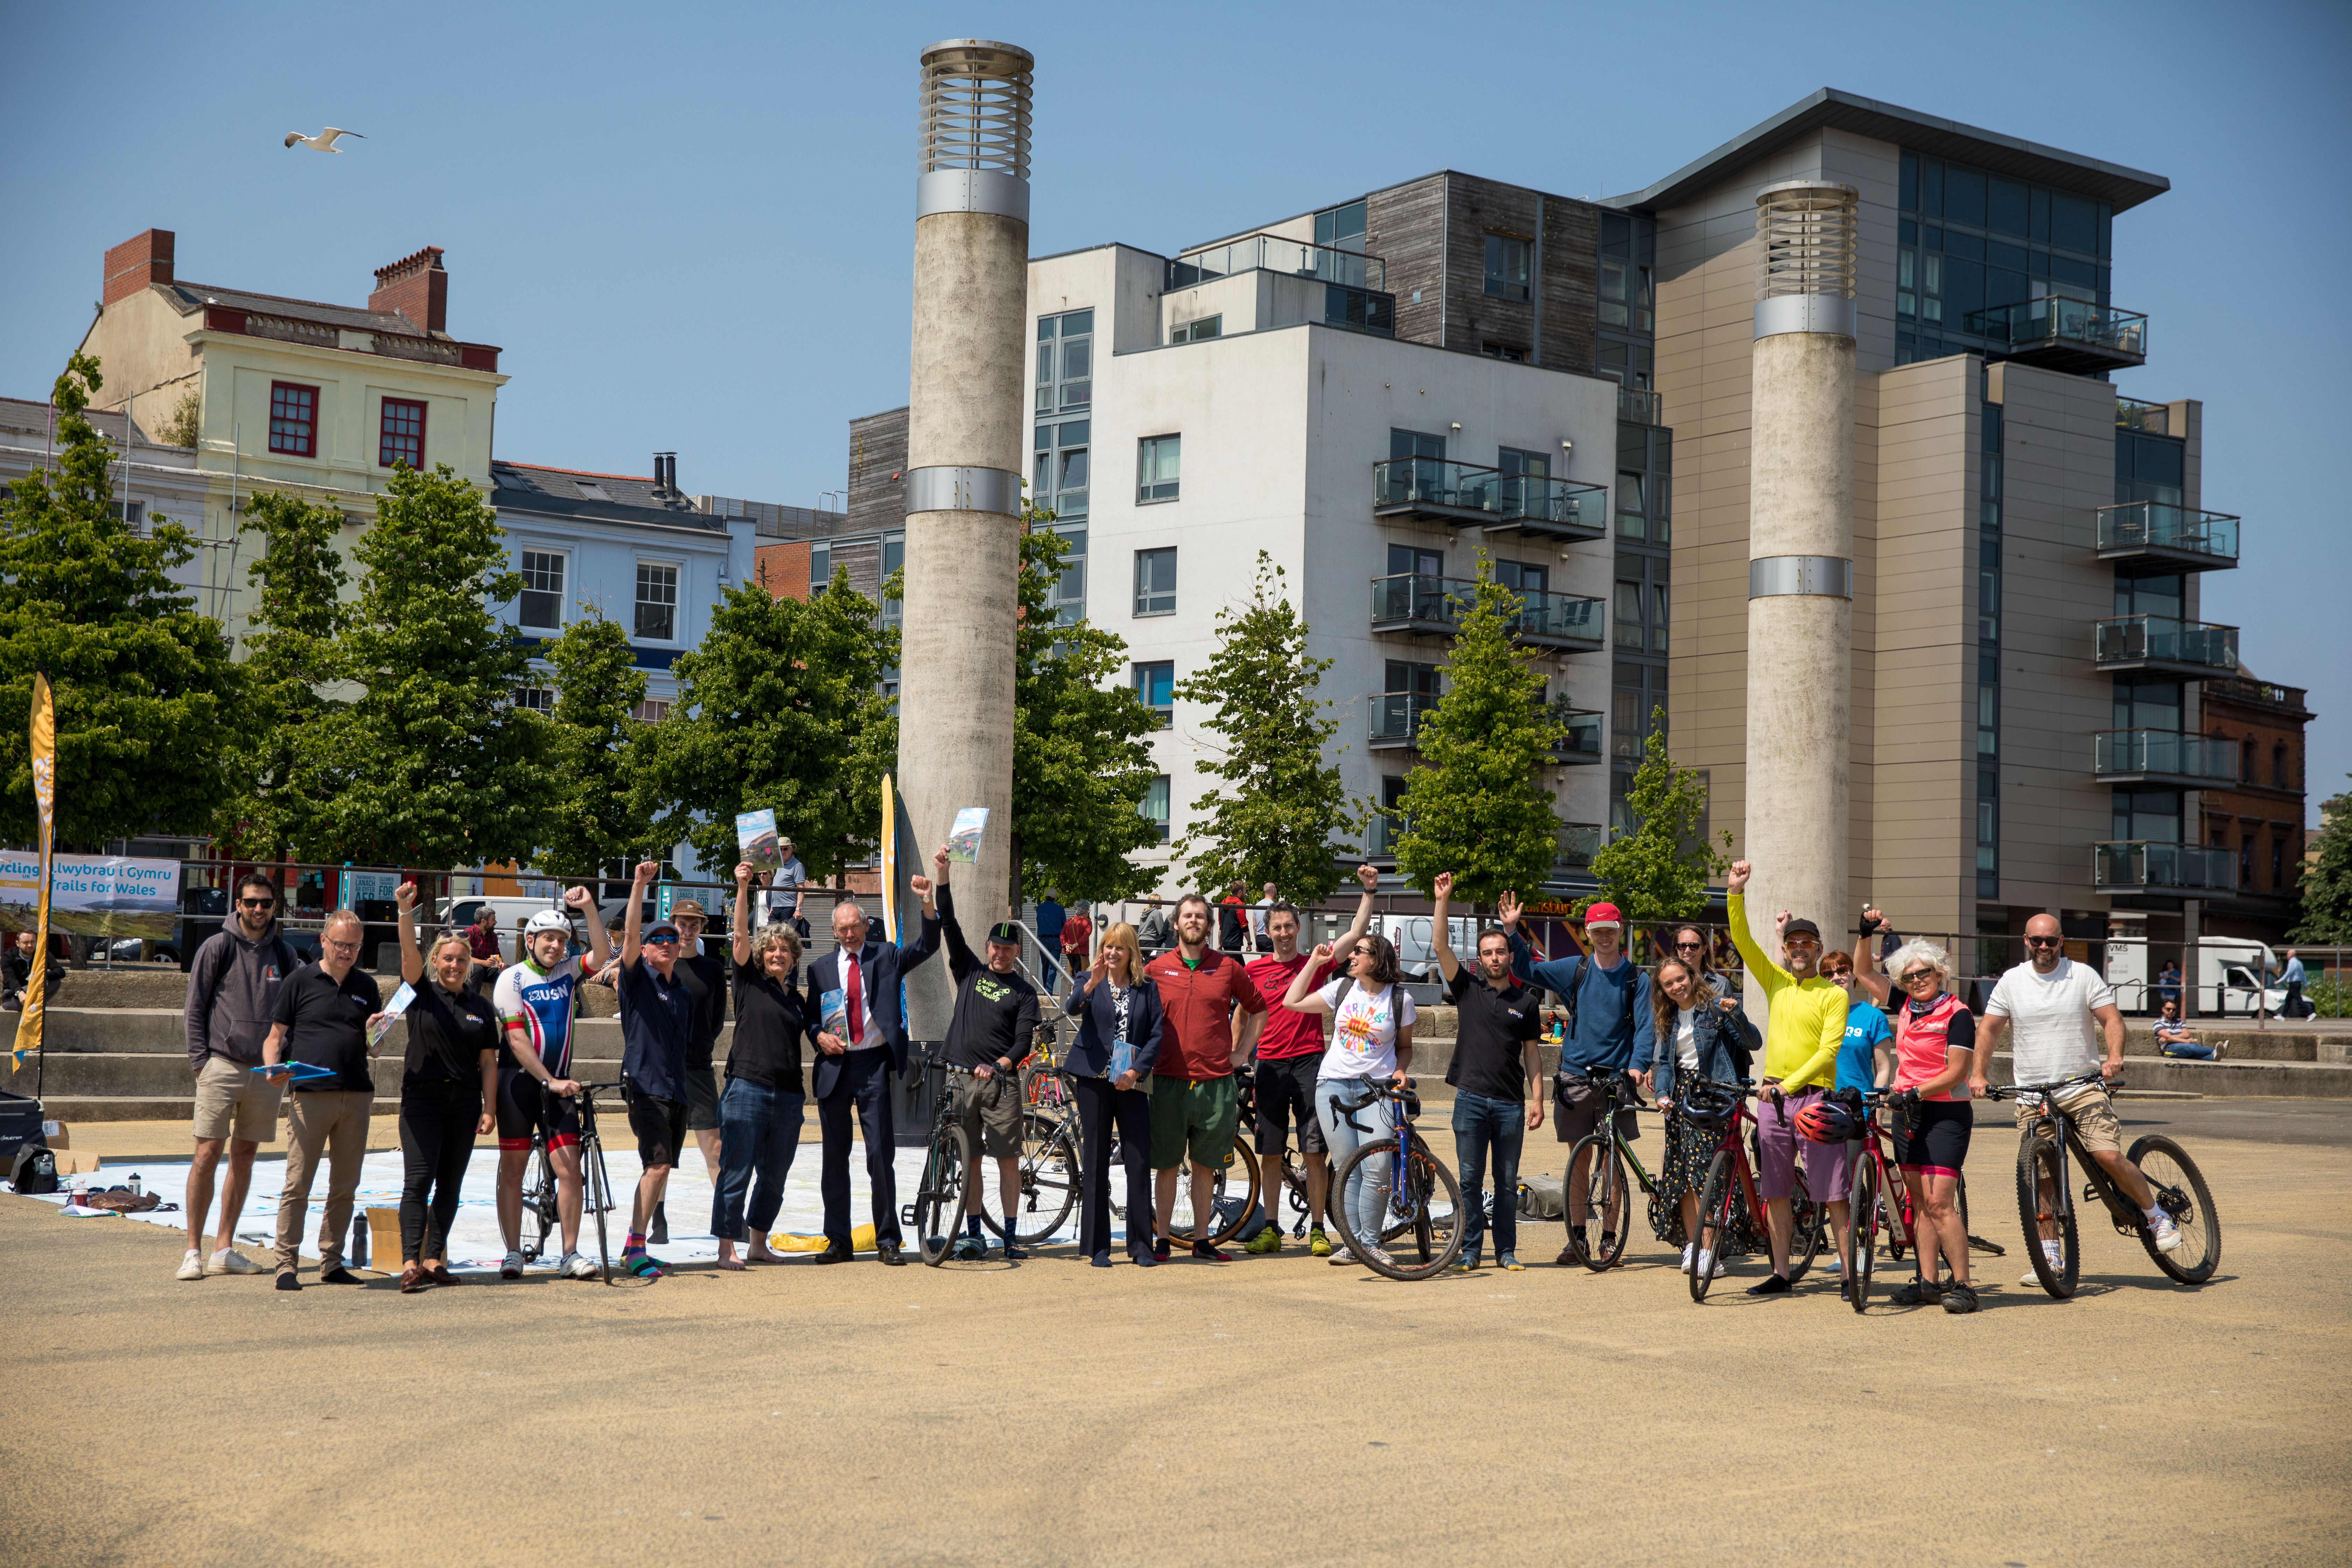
(358, 1255)
(136, 1190)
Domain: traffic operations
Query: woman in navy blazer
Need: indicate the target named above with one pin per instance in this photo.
(1115, 1005)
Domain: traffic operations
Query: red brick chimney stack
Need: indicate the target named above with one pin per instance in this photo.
(416, 286)
(138, 261)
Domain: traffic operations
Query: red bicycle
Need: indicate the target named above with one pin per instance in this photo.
(1730, 1208)
(1879, 1200)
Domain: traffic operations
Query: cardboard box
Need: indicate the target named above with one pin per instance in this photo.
(70, 1164)
(384, 1241)
(57, 1135)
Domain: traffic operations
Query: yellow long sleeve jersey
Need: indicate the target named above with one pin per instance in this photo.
(1808, 1017)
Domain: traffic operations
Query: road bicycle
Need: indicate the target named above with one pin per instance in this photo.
(2045, 1199)
(1877, 1202)
(1420, 1200)
(1728, 1205)
(543, 1228)
(936, 1216)
(1294, 1167)
(1605, 1152)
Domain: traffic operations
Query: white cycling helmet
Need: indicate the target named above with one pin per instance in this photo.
(547, 920)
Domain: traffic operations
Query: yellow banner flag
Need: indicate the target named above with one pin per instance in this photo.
(45, 798)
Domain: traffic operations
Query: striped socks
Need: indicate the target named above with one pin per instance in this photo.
(637, 1261)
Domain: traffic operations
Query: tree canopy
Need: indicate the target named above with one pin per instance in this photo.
(297, 613)
(1659, 871)
(597, 815)
(2327, 881)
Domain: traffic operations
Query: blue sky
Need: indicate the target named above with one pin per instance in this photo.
(690, 228)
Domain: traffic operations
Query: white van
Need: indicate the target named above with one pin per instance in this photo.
(2226, 967)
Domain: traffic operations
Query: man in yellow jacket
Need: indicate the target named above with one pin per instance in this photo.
(1801, 1051)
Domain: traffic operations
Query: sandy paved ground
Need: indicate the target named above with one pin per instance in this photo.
(1272, 1410)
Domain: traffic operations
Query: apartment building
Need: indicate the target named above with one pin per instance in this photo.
(151, 477)
(2258, 816)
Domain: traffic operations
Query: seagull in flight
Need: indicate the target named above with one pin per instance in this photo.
(324, 141)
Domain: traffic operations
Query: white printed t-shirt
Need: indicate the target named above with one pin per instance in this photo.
(1364, 1030)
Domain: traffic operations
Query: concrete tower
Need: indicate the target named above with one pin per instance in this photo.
(1800, 555)
(964, 450)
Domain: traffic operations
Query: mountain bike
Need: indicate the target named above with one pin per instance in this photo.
(1600, 1241)
(540, 1193)
(2045, 1199)
(1421, 1202)
(1294, 1169)
(1728, 1203)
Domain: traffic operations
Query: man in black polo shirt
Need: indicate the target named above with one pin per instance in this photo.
(319, 1018)
(988, 1035)
(705, 978)
(657, 1026)
(1494, 1073)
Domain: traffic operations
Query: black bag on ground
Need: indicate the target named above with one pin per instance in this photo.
(36, 1169)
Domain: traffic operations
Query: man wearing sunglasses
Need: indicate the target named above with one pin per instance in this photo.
(2051, 1003)
(320, 1020)
(1805, 1032)
(232, 991)
(656, 1028)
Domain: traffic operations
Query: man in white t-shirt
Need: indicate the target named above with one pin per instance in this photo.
(2048, 1003)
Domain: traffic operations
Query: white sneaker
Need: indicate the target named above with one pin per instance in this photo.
(2167, 1234)
(229, 1260)
(1342, 1255)
(575, 1266)
(1834, 1270)
(1377, 1254)
(1711, 1264)
(1685, 1267)
(512, 1268)
(192, 1267)
(2030, 1278)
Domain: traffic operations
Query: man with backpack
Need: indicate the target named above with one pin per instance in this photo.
(1609, 1031)
(232, 992)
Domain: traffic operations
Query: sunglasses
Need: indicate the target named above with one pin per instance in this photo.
(1916, 975)
(670, 940)
(1690, 947)
(1802, 941)
(1837, 973)
(258, 904)
(2045, 941)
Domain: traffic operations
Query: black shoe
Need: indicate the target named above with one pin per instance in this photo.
(1144, 1259)
(288, 1282)
(657, 1234)
(1015, 1253)
(1206, 1251)
(1918, 1293)
(888, 1251)
(836, 1253)
(1100, 1260)
(1160, 1248)
(1778, 1285)
(1959, 1300)
(339, 1275)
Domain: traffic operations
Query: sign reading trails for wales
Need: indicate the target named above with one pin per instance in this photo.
(91, 895)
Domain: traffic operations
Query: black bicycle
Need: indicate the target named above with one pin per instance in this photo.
(936, 1216)
(2045, 1199)
(1420, 1200)
(540, 1195)
(1604, 1153)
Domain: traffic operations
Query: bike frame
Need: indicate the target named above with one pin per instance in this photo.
(2070, 1151)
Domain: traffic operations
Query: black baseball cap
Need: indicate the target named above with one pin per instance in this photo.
(1801, 926)
(1006, 931)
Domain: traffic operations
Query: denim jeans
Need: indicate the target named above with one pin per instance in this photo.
(1500, 1127)
(1367, 1197)
(758, 1134)
(2187, 1050)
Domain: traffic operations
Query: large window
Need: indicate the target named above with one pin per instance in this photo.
(1156, 463)
(1154, 805)
(1341, 229)
(820, 570)
(1625, 295)
(1507, 268)
(401, 438)
(542, 588)
(1155, 685)
(1971, 241)
(1199, 330)
(1058, 482)
(537, 698)
(1155, 581)
(1065, 361)
(656, 602)
(293, 419)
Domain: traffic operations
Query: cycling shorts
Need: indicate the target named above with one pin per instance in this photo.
(1284, 1089)
(1934, 1137)
(525, 1106)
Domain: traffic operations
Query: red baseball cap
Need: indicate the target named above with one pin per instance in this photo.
(1603, 914)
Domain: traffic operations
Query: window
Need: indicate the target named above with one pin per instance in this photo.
(1199, 332)
(1509, 353)
(542, 588)
(293, 419)
(820, 569)
(538, 698)
(1630, 634)
(1156, 460)
(402, 436)
(656, 602)
(1155, 683)
(2246, 862)
(1625, 296)
(1411, 560)
(1155, 581)
(2278, 866)
(1058, 482)
(1524, 578)
(1069, 596)
(2246, 760)
(1390, 823)
(2278, 766)
(652, 710)
(1154, 805)
(894, 559)
(1341, 229)
(1506, 267)
(1065, 361)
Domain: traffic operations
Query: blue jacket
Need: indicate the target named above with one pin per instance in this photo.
(1723, 1038)
(1610, 1010)
(1098, 1027)
(888, 966)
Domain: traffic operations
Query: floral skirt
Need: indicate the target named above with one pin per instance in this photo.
(1690, 1150)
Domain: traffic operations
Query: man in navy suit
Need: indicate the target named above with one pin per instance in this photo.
(854, 1066)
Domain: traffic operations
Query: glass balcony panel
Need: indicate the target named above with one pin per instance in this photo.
(2161, 525)
(1636, 407)
(1579, 841)
(1413, 600)
(1537, 498)
(2165, 753)
(2150, 863)
(2148, 418)
(1396, 716)
(2057, 319)
(2159, 639)
(1434, 482)
(1583, 741)
(1273, 254)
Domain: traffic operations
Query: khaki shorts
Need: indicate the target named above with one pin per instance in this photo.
(233, 1103)
(990, 1109)
(2094, 1116)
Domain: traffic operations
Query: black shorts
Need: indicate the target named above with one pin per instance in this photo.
(1286, 1092)
(525, 1107)
(1935, 1139)
(660, 1127)
(701, 1098)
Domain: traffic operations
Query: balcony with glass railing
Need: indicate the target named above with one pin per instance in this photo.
(1541, 507)
(1577, 843)
(1583, 741)
(2080, 337)
(1433, 606)
(2168, 757)
(1271, 253)
(1396, 719)
(2149, 536)
(1436, 490)
(2158, 644)
(2140, 865)
(2148, 418)
(1637, 406)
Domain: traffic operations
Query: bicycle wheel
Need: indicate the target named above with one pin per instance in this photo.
(1715, 1201)
(1235, 1195)
(2041, 1200)
(1809, 1222)
(1294, 1188)
(1860, 1233)
(2180, 1192)
(938, 1201)
(538, 1202)
(596, 1192)
(1428, 1207)
(1049, 1181)
(1600, 1241)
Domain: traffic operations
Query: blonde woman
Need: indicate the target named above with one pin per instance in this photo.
(1119, 1024)
(448, 1092)
(1935, 1044)
(760, 1110)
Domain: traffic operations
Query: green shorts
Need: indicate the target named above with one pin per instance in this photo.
(1198, 1118)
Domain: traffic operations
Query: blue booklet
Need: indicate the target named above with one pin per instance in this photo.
(303, 1072)
(834, 1008)
(1122, 1058)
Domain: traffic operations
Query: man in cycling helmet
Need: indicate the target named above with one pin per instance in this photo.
(534, 1001)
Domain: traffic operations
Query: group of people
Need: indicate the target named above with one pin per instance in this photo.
(1160, 1037)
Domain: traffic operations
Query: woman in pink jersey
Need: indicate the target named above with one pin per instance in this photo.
(1935, 1042)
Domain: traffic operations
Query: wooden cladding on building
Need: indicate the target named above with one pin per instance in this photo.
(1432, 234)
(877, 463)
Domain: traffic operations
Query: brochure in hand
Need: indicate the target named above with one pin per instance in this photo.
(833, 1005)
(392, 1010)
(755, 837)
(963, 838)
(303, 1072)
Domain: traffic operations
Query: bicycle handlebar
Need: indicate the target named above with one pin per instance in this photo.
(2014, 1090)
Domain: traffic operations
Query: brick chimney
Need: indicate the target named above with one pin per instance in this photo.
(417, 286)
(135, 263)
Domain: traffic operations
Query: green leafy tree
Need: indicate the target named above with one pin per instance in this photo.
(1475, 809)
(298, 613)
(598, 816)
(1660, 870)
(1279, 806)
(2327, 881)
(147, 695)
(781, 706)
(432, 764)
(1080, 766)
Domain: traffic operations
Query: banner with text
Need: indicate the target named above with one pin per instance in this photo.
(91, 895)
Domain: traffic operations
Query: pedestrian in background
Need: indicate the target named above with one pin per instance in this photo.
(1078, 941)
(1152, 932)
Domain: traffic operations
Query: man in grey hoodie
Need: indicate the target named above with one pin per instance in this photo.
(232, 990)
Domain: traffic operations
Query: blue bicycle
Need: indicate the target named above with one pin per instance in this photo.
(1421, 1203)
